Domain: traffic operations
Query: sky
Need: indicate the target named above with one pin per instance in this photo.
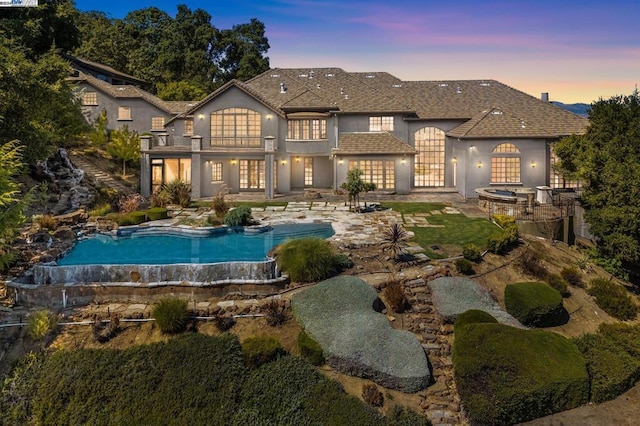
(577, 51)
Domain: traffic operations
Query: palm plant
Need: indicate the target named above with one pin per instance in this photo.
(393, 239)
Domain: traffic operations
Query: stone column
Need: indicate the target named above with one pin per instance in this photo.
(269, 149)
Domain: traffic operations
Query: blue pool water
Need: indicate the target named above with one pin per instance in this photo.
(171, 249)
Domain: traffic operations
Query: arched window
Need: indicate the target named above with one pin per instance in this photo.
(505, 164)
(238, 127)
(429, 162)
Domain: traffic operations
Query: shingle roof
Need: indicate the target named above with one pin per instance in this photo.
(87, 64)
(127, 91)
(497, 123)
(371, 143)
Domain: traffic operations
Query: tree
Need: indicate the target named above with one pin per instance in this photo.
(12, 202)
(607, 160)
(241, 51)
(124, 145)
(355, 185)
(99, 135)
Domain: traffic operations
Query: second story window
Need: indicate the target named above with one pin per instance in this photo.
(124, 113)
(307, 129)
(381, 124)
(188, 127)
(89, 98)
(157, 123)
(236, 127)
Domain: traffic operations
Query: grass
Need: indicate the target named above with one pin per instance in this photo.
(458, 229)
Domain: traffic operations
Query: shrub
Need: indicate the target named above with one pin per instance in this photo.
(130, 203)
(503, 241)
(213, 220)
(394, 239)
(310, 349)
(261, 350)
(503, 220)
(224, 323)
(40, 323)
(473, 316)
(219, 204)
(342, 262)
(170, 315)
(275, 312)
(613, 299)
(160, 197)
(395, 297)
(100, 210)
(48, 222)
(625, 336)
(372, 395)
(400, 416)
(307, 259)
(534, 304)
(507, 375)
(572, 276)
(240, 216)
(464, 267)
(138, 217)
(122, 219)
(611, 369)
(557, 282)
(179, 192)
(471, 252)
(530, 265)
(157, 213)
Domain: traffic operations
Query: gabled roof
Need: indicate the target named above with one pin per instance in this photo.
(495, 123)
(121, 91)
(371, 143)
(90, 67)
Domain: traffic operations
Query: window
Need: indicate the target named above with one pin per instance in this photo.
(308, 129)
(124, 113)
(556, 179)
(167, 170)
(381, 124)
(157, 123)
(379, 172)
(90, 98)
(252, 174)
(216, 172)
(188, 127)
(429, 162)
(238, 127)
(308, 171)
(505, 166)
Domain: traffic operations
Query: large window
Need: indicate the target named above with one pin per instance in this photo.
(157, 123)
(556, 179)
(379, 172)
(167, 170)
(252, 174)
(429, 162)
(505, 164)
(90, 98)
(238, 127)
(188, 126)
(216, 171)
(381, 124)
(308, 171)
(124, 113)
(308, 129)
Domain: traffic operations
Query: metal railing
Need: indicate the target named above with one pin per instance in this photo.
(561, 206)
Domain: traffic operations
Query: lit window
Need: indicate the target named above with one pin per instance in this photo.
(556, 179)
(157, 123)
(381, 124)
(429, 162)
(124, 113)
(236, 127)
(379, 172)
(90, 98)
(505, 166)
(216, 172)
(188, 127)
(167, 170)
(307, 129)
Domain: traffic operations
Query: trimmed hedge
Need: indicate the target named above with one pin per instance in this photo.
(137, 217)
(260, 350)
(310, 349)
(473, 316)
(157, 213)
(534, 304)
(612, 369)
(613, 299)
(625, 336)
(507, 375)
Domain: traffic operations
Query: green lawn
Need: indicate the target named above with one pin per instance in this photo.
(458, 229)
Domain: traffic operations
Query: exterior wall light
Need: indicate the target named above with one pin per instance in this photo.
(283, 162)
(297, 159)
(533, 164)
(233, 161)
(201, 116)
(340, 161)
(269, 116)
(479, 164)
(454, 160)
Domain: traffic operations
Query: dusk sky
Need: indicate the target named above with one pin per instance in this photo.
(578, 51)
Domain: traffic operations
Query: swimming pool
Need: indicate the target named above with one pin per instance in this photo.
(187, 249)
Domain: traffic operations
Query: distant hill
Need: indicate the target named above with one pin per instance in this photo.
(580, 109)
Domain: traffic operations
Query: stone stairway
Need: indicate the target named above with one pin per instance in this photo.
(101, 178)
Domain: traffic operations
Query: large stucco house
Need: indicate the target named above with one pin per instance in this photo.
(290, 129)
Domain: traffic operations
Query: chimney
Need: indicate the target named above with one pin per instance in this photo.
(545, 96)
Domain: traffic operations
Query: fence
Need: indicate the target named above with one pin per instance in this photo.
(562, 205)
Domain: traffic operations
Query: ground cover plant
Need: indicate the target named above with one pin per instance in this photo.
(534, 304)
(613, 299)
(467, 230)
(190, 379)
(507, 375)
